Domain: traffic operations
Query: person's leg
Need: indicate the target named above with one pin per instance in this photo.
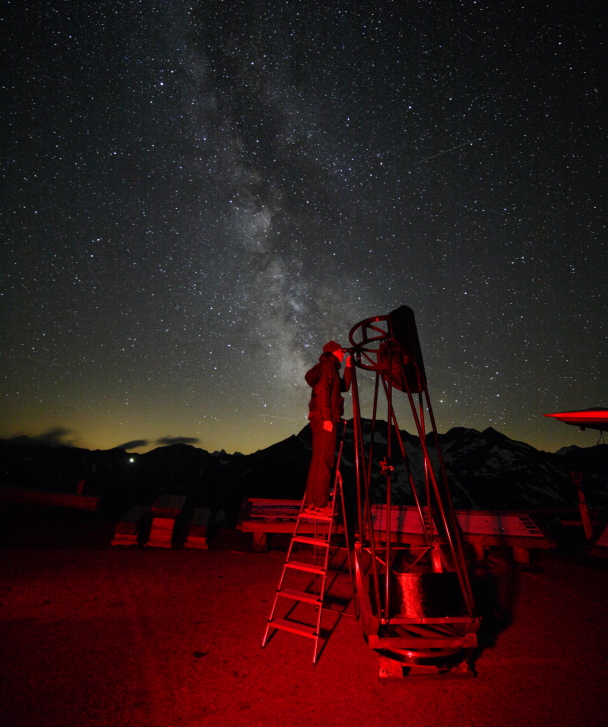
(321, 464)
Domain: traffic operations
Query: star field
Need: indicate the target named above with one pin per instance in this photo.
(198, 195)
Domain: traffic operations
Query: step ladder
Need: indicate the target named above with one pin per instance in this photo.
(307, 563)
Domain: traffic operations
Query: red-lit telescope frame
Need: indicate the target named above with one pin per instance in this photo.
(389, 347)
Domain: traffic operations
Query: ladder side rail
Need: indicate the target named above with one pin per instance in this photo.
(282, 579)
(315, 592)
(324, 577)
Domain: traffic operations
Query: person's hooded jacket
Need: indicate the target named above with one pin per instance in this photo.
(326, 401)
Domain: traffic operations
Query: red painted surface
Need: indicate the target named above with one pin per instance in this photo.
(586, 418)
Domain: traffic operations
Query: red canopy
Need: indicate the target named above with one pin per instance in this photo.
(596, 418)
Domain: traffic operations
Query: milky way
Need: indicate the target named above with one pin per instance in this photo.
(198, 195)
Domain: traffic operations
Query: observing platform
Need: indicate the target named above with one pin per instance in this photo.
(481, 529)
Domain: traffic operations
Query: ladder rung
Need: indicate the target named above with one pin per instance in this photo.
(295, 628)
(308, 567)
(311, 541)
(315, 516)
(301, 596)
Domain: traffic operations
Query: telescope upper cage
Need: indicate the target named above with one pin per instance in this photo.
(394, 338)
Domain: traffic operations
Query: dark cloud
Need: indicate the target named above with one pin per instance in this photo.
(54, 437)
(134, 444)
(178, 440)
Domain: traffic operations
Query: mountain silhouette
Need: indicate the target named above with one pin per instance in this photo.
(486, 471)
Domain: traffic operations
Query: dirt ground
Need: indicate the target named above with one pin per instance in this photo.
(95, 635)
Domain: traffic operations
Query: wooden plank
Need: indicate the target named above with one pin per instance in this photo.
(198, 531)
(165, 510)
(52, 499)
(163, 523)
(130, 522)
(158, 544)
(200, 522)
(196, 544)
(168, 506)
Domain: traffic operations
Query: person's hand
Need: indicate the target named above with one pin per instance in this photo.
(328, 425)
(349, 361)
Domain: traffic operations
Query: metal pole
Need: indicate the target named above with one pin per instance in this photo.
(363, 497)
(459, 550)
(389, 465)
(357, 446)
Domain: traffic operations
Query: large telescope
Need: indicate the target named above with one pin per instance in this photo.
(413, 588)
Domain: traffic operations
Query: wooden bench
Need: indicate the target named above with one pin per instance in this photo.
(481, 529)
(198, 531)
(280, 518)
(165, 511)
(130, 529)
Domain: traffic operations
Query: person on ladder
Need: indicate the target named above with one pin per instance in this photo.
(325, 411)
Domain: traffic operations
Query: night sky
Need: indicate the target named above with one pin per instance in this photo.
(197, 195)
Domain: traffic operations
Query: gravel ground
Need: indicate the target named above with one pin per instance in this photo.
(94, 635)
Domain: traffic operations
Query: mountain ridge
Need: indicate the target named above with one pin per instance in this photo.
(487, 470)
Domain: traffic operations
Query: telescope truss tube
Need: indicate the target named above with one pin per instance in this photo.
(415, 597)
